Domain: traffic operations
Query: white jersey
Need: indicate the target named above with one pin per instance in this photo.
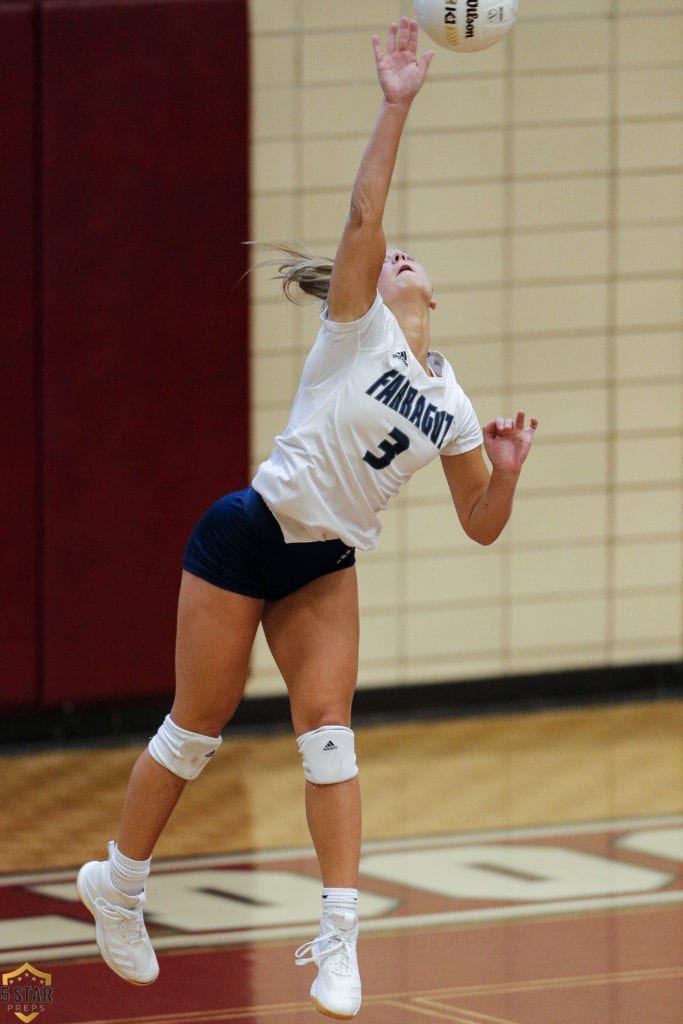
(366, 416)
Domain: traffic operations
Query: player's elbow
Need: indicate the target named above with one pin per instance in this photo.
(484, 538)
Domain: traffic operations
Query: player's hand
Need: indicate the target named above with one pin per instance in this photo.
(400, 73)
(507, 442)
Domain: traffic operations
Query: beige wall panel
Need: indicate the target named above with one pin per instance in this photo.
(426, 486)
(273, 165)
(656, 196)
(565, 360)
(349, 14)
(650, 92)
(559, 623)
(557, 9)
(432, 526)
(654, 615)
(275, 379)
(439, 631)
(649, 512)
(458, 665)
(561, 150)
(266, 425)
(563, 466)
(562, 202)
(454, 156)
(649, 302)
(381, 636)
(556, 659)
(322, 216)
(540, 308)
(646, 460)
(455, 208)
(275, 112)
(350, 107)
(380, 583)
(543, 47)
(276, 324)
(562, 570)
(541, 182)
(275, 60)
(578, 96)
(464, 313)
(454, 578)
(332, 162)
(653, 40)
(559, 254)
(639, 356)
(656, 405)
(647, 144)
(474, 261)
(650, 249)
(645, 565)
(463, 104)
(265, 16)
(476, 362)
(645, 652)
(274, 218)
(562, 517)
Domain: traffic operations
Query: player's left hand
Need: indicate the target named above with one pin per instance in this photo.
(507, 442)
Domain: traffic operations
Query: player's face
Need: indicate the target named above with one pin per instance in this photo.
(402, 277)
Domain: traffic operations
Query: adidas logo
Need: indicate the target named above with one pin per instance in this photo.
(329, 746)
(349, 551)
(211, 753)
(402, 355)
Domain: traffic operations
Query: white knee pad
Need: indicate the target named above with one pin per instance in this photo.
(184, 753)
(328, 754)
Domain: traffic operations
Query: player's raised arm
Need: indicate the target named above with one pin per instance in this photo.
(362, 247)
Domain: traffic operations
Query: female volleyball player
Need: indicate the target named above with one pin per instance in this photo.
(374, 405)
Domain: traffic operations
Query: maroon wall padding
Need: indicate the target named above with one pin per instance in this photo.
(18, 339)
(145, 199)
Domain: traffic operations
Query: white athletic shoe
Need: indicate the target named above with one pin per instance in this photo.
(119, 925)
(336, 991)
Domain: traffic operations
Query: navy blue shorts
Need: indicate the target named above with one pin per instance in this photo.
(238, 545)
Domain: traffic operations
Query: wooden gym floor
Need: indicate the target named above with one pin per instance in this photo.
(517, 869)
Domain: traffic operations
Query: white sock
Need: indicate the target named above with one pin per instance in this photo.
(337, 901)
(127, 875)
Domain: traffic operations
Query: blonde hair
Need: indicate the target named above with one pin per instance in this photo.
(299, 271)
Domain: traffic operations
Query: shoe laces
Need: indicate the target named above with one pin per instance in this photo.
(336, 944)
(129, 922)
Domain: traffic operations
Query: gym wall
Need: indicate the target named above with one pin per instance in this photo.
(125, 328)
(541, 183)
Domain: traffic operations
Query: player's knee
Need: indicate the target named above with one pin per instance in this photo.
(184, 753)
(328, 754)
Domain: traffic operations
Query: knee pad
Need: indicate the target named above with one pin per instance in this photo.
(328, 754)
(184, 753)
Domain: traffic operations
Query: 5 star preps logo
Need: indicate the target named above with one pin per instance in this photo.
(26, 992)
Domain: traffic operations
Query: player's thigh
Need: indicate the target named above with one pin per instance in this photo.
(313, 635)
(214, 638)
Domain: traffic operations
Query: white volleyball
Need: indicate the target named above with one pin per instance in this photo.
(466, 25)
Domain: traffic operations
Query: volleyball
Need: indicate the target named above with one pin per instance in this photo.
(466, 25)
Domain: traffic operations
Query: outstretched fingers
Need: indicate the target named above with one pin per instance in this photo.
(401, 37)
(520, 421)
(518, 424)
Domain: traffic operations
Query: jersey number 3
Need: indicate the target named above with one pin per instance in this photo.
(390, 448)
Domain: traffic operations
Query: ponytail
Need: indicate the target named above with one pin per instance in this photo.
(298, 271)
